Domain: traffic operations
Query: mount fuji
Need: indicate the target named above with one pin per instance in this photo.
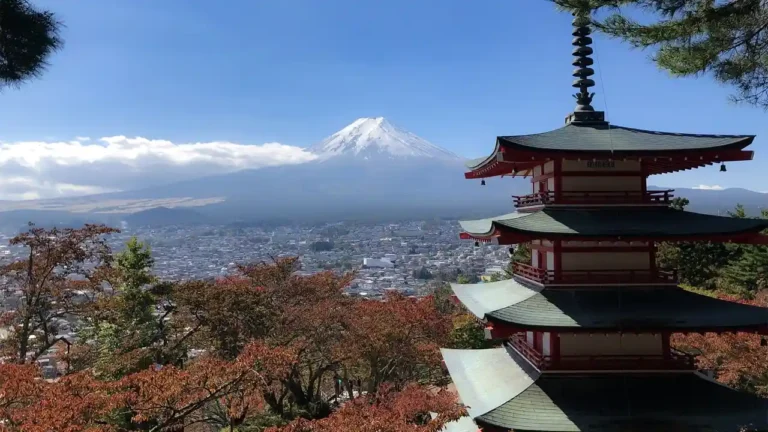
(368, 170)
(375, 139)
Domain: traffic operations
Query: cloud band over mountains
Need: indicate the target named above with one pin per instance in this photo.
(39, 169)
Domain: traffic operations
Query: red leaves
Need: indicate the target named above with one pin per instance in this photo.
(405, 411)
(47, 281)
(173, 397)
(739, 360)
(272, 342)
(396, 340)
(74, 403)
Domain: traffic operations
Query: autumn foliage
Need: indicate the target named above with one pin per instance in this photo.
(739, 360)
(265, 348)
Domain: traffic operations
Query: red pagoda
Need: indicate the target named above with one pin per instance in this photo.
(586, 324)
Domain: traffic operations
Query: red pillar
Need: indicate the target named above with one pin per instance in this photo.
(558, 173)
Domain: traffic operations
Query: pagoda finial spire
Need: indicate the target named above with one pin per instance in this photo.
(582, 52)
(584, 112)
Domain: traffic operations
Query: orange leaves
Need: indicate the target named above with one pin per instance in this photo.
(53, 275)
(271, 341)
(396, 340)
(74, 403)
(739, 360)
(170, 396)
(405, 411)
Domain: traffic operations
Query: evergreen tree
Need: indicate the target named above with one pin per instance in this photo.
(27, 37)
(522, 253)
(748, 270)
(698, 263)
(126, 321)
(728, 38)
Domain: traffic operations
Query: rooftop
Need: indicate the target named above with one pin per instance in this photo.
(501, 389)
(624, 222)
(650, 308)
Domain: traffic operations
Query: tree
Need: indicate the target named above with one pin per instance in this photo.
(422, 273)
(409, 410)
(170, 398)
(697, 263)
(468, 333)
(74, 403)
(522, 253)
(27, 38)
(396, 341)
(123, 322)
(467, 279)
(739, 360)
(728, 39)
(61, 266)
(747, 271)
(243, 353)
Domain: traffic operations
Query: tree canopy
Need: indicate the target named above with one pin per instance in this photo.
(262, 348)
(28, 36)
(727, 39)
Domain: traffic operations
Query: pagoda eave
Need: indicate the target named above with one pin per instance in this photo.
(516, 162)
(614, 224)
(508, 238)
(501, 330)
(511, 306)
(503, 390)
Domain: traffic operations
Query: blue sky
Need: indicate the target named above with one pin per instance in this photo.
(455, 72)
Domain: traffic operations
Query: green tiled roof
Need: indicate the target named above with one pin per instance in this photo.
(629, 402)
(472, 163)
(621, 139)
(628, 308)
(615, 221)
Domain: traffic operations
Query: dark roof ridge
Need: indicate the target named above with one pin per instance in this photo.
(606, 125)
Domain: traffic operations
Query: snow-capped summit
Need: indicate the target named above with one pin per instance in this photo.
(374, 138)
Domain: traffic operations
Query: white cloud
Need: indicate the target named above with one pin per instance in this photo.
(48, 169)
(708, 187)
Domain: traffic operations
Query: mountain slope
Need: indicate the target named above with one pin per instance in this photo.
(370, 169)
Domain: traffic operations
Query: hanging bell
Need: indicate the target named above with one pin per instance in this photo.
(477, 244)
(482, 182)
(722, 168)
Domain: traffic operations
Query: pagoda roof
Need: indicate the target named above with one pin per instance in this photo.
(611, 138)
(635, 308)
(614, 402)
(611, 222)
(501, 389)
(604, 140)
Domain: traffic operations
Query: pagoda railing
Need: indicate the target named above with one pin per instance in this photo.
(578, 277)
(595, 198)
(675, 360)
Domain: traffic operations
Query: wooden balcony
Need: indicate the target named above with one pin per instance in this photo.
(663, 197)
(676, 360)
(596, 277)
